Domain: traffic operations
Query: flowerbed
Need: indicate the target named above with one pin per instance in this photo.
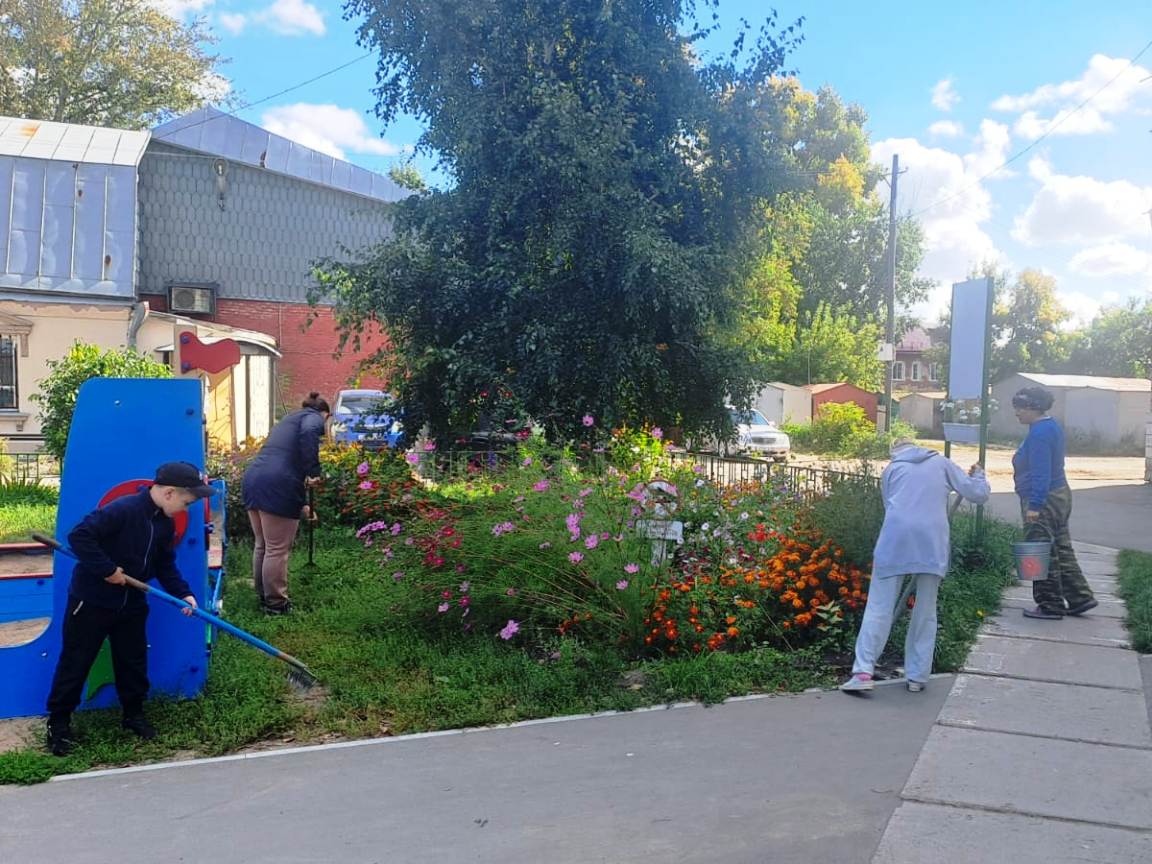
(547, 549)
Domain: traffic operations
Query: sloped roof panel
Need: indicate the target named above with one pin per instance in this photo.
(215, 133)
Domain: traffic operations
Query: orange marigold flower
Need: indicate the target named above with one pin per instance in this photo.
(733, 631)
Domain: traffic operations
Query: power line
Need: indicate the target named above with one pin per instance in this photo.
(1052, 127)
(275, 95)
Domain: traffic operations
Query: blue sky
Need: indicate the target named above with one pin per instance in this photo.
(954, 89)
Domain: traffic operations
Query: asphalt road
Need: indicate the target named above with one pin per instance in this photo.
(803, 779)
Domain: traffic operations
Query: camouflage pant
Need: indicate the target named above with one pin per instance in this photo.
(1065, 585)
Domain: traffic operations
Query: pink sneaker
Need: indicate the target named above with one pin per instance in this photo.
(858, 683)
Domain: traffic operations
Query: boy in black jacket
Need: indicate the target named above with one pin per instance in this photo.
(133, 535)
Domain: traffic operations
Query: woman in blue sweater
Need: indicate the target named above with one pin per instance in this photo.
(1046, 502)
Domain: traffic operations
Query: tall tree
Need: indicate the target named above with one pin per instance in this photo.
(1028, 322)
(119, 63)
(591, 252)
(825, 150)
(1118, 342)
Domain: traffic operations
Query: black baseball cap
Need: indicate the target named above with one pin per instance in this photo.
(184, 475)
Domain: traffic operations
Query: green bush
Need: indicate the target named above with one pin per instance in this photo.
(57, 396)
(17, 492)
(843, 429)
(850, 514)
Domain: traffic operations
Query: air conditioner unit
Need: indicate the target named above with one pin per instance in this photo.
(195, 299)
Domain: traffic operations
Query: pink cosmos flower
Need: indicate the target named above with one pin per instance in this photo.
(511, 592)
(398, 575)
(447, 595)
(366, 485)
(657, 432)
(443, 607)
(604, 535)
(412, 458)
(396, 529)
(430, 446)
(592, 541)
(575, 557)
(527, 461)
(622, 585)
(465, 602)
(542, 486)
(631, 568)
(363, 468)
(589, 420)
(510, 630)
(584, 493)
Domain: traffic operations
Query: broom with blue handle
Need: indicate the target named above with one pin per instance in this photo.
(300, 675)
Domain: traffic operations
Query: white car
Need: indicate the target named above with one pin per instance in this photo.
(758, 436)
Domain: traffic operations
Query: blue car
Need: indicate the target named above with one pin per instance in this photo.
(369, 418)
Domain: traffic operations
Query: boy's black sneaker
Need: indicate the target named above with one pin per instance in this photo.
(138, 724)
(285, 609)
(61, 740)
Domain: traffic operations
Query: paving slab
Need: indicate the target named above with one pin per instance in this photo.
(1035, 776)
(932, 834)
(1106, 609)
(1073, 630)
(1089, 714)
(1054, 661)
(782, 779)
(1023, 591)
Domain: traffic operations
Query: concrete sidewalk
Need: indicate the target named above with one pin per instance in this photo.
(800, 779)
(1042, 753)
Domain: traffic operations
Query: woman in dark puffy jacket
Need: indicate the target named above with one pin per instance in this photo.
(274, 496)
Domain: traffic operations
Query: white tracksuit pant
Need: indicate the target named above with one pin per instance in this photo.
(879, 614)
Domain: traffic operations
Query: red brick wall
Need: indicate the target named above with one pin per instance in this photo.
(308, 362)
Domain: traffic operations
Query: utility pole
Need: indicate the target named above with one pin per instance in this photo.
(890, 330)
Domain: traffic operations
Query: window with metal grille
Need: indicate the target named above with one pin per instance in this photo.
(8, 394)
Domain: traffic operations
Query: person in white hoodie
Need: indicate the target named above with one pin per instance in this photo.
(914, 541)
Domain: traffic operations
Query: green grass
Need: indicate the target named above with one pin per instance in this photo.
(383, 676)
(18, 521)
(1135, 587)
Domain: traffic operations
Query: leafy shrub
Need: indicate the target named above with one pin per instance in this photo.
(850, 512)
(843, 429)
(358, 485)
(16, 492)
(58, 391)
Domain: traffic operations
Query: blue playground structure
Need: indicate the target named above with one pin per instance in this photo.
(121, 431)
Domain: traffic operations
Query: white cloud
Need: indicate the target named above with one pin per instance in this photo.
(1081, 307)
(292, 18)
(233, 23)
(992, 149)
(946, 129)
(1109, 260)
(1086, 121)
(954, 237)
(1058, 100)
(1081, 210)
(944, 95)
(180, 8)
(327, 128)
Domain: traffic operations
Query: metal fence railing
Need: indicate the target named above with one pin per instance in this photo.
(28, 467)
(804, 480)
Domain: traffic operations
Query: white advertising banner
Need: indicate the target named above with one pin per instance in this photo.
(969, 332)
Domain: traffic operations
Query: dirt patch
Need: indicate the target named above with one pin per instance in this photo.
(19, 733)
(21, 564)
